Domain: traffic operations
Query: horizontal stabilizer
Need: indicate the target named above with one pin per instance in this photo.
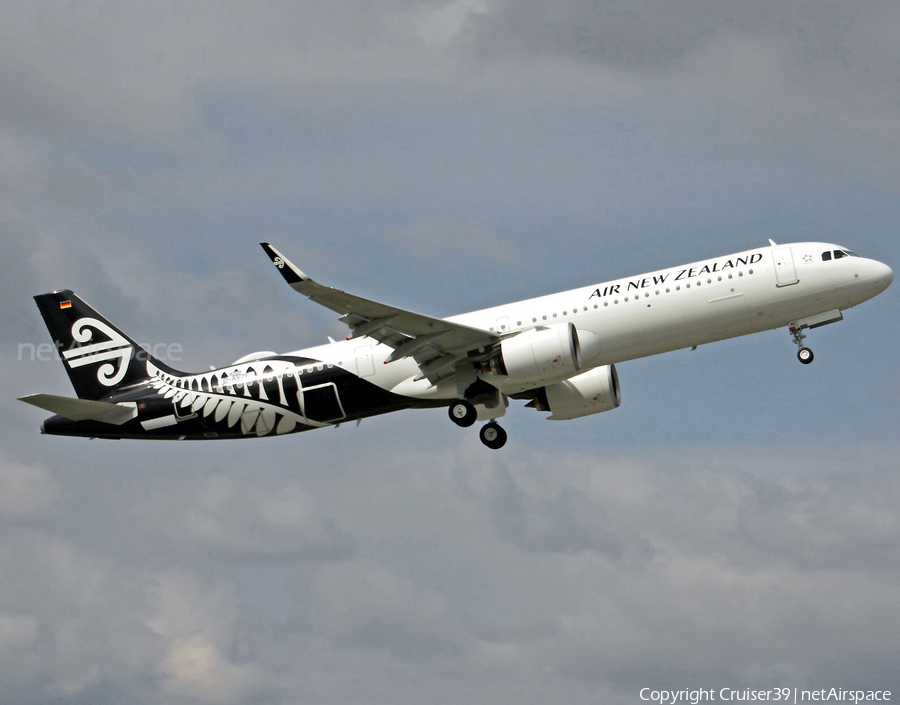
(84, 409)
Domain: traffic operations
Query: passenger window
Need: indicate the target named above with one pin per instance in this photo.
(826, 256)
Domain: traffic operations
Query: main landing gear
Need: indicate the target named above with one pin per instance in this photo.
(464, 414)
(804, 354)
(493, 436)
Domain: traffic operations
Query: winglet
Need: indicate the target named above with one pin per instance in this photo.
(291, 274)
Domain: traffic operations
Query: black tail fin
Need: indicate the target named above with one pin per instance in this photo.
(98, 356)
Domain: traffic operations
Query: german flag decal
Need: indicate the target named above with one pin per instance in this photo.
(65, 304)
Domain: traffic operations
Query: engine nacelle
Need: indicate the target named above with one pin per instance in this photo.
(254, 356)
(540, 355)
(588, 393)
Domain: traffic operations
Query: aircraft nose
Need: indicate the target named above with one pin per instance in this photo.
(882, 275)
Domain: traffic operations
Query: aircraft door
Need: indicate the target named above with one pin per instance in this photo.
(785, 274)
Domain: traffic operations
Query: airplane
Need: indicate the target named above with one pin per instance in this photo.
(557, 352)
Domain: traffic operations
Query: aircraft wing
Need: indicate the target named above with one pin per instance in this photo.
(436, 344)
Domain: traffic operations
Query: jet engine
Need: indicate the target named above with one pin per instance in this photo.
(588, 393)
(540, 355)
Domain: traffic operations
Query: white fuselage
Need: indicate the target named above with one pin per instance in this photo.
(694, 304)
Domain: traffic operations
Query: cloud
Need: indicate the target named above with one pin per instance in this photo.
(73, 624)
(16, 631)
(399, 150)
(364, 604)
(557, 573)
(698, 555)
(196, 625)
(789, 75)
(440, 25)
(195, 667)
(262, 518)
(24, 489)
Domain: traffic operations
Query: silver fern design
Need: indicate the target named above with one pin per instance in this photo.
(259, 397)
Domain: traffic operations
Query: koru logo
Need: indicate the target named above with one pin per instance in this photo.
(278, 262)
(116, 348)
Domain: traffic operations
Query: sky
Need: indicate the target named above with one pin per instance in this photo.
(733, 524)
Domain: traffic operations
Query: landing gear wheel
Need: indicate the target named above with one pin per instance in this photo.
(805, 355)
(493, 436)
(462, 413)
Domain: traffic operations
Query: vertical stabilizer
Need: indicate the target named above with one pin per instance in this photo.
(98, 357)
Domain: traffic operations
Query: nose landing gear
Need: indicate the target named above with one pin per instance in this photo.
(804, 354)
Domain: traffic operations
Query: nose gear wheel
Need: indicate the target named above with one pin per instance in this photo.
(804, 354)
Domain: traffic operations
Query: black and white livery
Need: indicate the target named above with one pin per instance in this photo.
(556, 352)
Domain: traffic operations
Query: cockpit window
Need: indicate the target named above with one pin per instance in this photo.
(837, 254)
